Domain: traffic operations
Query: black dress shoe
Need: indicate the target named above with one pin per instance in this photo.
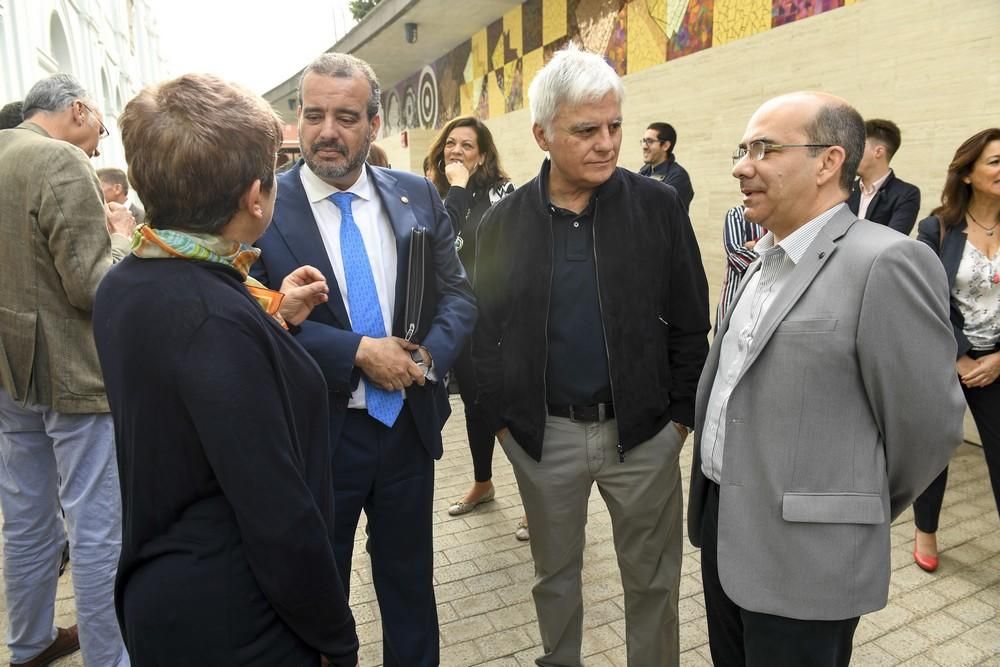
(67, 641)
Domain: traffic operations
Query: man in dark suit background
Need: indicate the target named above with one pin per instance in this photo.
(353, 222)
(877, 194)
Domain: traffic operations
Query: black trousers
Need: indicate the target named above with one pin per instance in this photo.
(388, 474)
(984, 403)
(481, 436)
(738, 636)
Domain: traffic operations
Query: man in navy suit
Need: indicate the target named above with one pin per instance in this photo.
(877, 194)
(353, 222)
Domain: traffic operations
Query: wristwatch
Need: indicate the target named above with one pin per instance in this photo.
(418, 359)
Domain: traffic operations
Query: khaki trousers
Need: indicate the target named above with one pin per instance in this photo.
(643, 496)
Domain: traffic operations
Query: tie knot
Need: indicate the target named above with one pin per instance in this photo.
(342, 200)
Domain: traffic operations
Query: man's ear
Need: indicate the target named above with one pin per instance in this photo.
(78, 113)
(376, 124)
(668, 146)
(830, 165)
(539, 133)
(252, 200)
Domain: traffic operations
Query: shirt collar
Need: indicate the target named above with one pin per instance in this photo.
(795, 244)
(317, 189)
(874, 187)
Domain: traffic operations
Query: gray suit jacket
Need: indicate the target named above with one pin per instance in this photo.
(849, 407)
(55, 250)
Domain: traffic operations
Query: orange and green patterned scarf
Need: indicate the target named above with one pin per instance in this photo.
(149, 243)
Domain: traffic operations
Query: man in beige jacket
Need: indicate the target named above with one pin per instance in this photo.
(56, 439)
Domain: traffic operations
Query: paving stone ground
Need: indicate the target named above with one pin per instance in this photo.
(483, 576)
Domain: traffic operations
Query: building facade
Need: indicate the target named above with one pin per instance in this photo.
(110, 46)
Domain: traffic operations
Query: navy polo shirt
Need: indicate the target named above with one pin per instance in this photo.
(577, 367)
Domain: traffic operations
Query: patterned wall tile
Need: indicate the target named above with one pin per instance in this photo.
(617, 51)
(531, 25)
(481, 97)
(479, 56)
(592, 22)
(553, 20)
(695, 32)
(736, 19)
(530, 64)
(488, 75)
(513, 34)
(513, 86)
(786, 11)
(494, 45)
(647, 37)
(467, 99)
(495, 101)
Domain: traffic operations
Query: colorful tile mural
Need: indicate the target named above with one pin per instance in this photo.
(488, 74)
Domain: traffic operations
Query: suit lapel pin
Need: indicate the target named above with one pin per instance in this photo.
(404, 199)
(822, 254)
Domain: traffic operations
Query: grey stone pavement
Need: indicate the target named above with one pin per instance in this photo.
(484, 577)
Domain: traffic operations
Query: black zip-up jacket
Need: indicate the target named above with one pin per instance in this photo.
(654, 304)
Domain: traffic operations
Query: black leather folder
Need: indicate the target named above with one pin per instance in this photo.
(415, 276)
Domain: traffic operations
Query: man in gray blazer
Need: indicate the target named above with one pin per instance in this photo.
(56, 438)
(828, 402)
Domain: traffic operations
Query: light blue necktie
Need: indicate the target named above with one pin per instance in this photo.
(362, 300)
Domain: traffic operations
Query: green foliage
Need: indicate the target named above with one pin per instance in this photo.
(360, 8)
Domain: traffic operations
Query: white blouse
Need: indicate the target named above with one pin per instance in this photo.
(977, 295)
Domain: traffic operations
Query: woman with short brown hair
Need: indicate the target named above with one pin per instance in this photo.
(220, 416)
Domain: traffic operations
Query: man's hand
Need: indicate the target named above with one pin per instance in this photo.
(683, 430)
(457, 174)
(304, 289)
(502, 434)
(980, 372)
(387, 363)
(119, 219)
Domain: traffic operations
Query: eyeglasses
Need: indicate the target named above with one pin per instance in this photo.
(758, 149)
(102, 131)
(646, 142)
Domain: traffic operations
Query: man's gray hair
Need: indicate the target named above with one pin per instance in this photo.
(572, 77)
(345, 66)
(839, 124)
(53, 94)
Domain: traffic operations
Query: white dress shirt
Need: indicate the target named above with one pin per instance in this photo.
(776, 265)
(376, 231)
(868, 193)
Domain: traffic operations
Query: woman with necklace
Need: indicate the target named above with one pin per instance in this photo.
(964, 232)
(465, 167)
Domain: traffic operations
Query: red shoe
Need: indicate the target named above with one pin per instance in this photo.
(925, 563)
(67, 641)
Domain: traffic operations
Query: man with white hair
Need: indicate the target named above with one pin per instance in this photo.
(592, 332)
(56, 438)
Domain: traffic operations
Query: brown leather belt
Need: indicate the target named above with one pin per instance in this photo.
(599, 412)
